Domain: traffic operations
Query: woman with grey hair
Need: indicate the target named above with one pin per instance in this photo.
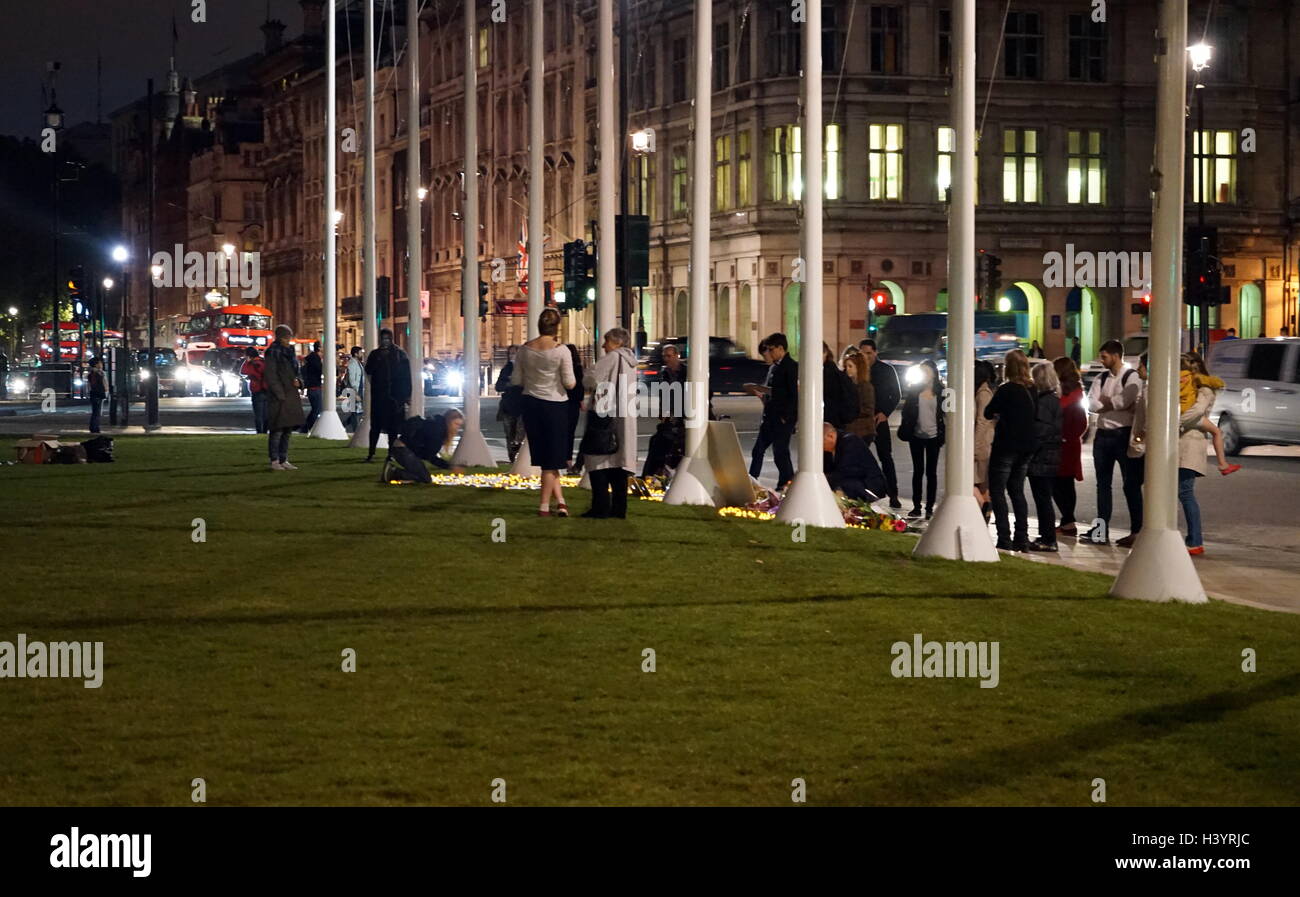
(609, 444)
(1046, 461)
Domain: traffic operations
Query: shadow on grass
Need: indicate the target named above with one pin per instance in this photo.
(418, 613)
(996, 767)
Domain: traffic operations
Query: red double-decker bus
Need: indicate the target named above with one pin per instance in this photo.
(69, 342)
(228, 327)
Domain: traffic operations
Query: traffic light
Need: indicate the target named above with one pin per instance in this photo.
(1201, 266)
(482, 299)
(881, 303)
(382, 293)
(81, 311)
(993, 278)
(1143, 307)
(579, 271)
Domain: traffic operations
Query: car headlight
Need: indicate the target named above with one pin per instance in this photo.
(78, 382)
(455, 379)
(913, 375)
(230, 381)
(144, 374)
(181, 374)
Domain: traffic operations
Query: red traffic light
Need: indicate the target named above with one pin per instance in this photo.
(879, 299)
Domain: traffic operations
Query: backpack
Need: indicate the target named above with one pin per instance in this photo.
(845, 405)
(99, 449)
(1123, 380)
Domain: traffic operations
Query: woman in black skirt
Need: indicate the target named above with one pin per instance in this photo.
(544, 368)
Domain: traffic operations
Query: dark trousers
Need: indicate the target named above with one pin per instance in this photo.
(779, 436)
(609, 492)
(385, 417)
(1191, 508)
(761, 444)
(259, 411)
(314, 397)
(925, 459)
(886, 453)
(1007, 472)
(277, 444)
(1108, 448)
(1063, 492)
(96, 408)
(1042, 488)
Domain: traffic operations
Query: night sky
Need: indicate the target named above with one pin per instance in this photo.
(134, 39)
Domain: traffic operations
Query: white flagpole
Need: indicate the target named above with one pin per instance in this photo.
(958, 530)
(536, 173)
(1159, 568)
(809, 498)
(472, 450)
(328, 425)
(694, 483)
(414, 233)
(369, 330)
(606, 177)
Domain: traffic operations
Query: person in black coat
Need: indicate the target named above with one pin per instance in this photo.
(923, 429)
(1046, 462)
(884, 380)
(1015, 439)
(849, 466)
(389, 371)
(313, 371)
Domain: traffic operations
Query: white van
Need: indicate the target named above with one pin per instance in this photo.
(1260, 403)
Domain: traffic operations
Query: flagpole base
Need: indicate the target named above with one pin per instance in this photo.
(472, 450)
(361, 438)
(692, 484)
(809, 500)
(1159, 569)
(328, 426)
(958, 531)
(523, 464)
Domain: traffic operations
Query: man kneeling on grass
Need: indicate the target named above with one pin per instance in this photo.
(283, 405)
(849, 467)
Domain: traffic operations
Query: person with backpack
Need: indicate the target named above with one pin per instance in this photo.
(254, 368)
(1113, 398)
(98, 387)
(1045, 463)
(284, 404)
(389, 371)
(510, 405)
(922, 428)
(313, 374)
(840, 402)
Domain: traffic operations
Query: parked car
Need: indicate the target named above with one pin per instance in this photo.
(729, 367)
(1260, 402)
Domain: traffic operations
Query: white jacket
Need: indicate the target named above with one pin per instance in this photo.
(618, 368)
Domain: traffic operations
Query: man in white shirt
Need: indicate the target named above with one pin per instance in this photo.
(1113, 398)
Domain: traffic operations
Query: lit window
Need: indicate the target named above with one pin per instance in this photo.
(483, 56)
(1215, 171)
(1020, 165)
(722, 173)
(785, 163)
(1086, 173)
(680, 182)
(885, 162)
(947, 146)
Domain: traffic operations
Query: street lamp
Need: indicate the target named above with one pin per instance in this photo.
(120, 255)
(643, 141)
(422, 193)
(54, 117)
(1200, 54)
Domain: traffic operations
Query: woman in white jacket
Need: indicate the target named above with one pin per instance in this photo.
(611, 388)
(1191, 460)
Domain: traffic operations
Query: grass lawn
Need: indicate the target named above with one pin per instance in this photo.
(523, 660)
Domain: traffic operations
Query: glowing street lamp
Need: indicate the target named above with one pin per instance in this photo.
(120, 255)
(643, 141)
(1200, 54)
(422, 193)
(108, 283)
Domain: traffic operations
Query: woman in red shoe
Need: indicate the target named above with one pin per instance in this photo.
(1191, 457)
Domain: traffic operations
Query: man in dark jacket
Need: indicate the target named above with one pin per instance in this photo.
(98, 384)
(313, 370)
(849, 467)
(389, 371)
(283, 404)
(884, 381)
(781, 410)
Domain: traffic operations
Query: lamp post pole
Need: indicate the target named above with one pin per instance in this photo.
(151, 356)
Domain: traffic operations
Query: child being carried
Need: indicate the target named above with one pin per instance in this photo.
(1189, 382)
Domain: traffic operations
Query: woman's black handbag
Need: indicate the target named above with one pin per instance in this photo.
(512, 401)
(601, 435)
